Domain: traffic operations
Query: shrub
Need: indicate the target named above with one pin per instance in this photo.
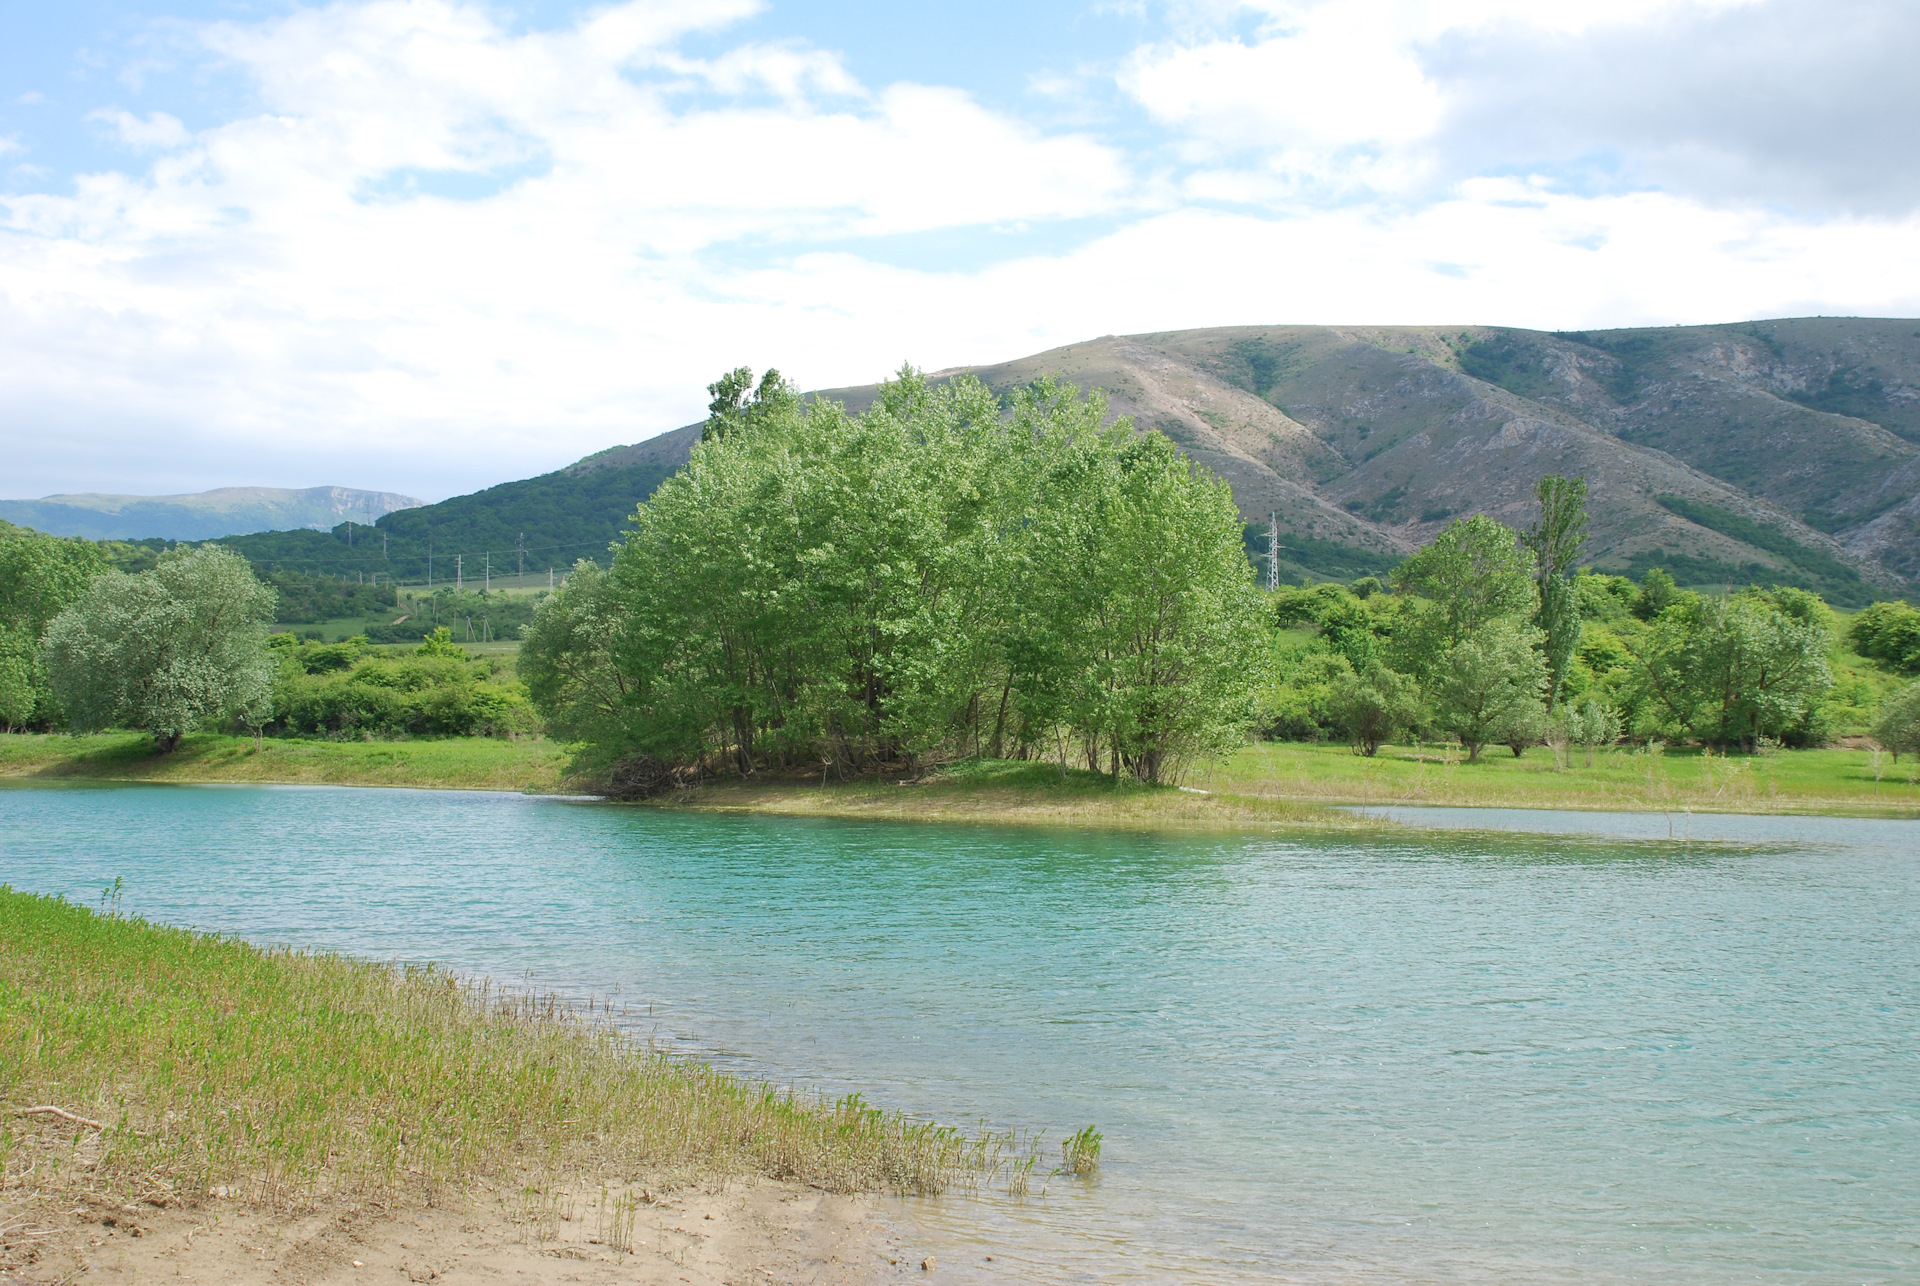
(343, 689)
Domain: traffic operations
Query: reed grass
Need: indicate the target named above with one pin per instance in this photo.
(212, 1066)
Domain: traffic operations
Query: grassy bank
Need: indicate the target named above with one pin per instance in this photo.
(1263, 785)
(1003, 791)
(452, 763)
(189, 1063)
(1789, 781)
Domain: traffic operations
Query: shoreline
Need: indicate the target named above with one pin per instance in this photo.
(549, 1147)
(660, 1231)
(1266, 786)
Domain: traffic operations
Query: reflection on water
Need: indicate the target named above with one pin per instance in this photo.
(1415, 1056)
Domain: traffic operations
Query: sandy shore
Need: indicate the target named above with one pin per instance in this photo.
(725, 1233)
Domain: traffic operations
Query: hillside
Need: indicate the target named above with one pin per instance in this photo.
(204, 515)
(1764, 451)
(518, 529)
(1785, 450)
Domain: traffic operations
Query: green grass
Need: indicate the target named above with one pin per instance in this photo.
(288, 1078)
(452, 763)
(1787, 781)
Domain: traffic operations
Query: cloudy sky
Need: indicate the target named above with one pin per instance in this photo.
(428, 245)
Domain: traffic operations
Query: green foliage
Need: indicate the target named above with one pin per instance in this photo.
(1473, 574)
(306, 598)
(1353, 627)
(40, 576)
(557, 518)
(1603, 598)
(1734, 670)
(1375, 706)
(1295, 703)
(1592, 723)
(439, 643)
(164, 651)
(935, 577)
(1555, 542)
(472, 616)
(346, 690)
(570, 658)
(732, 411)
(1489, 687)
(1890, 634)
(1657, 593)
(1898, 727)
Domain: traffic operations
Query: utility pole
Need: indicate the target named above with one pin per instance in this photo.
(549, 580)
(520, 544)
(488, 585)
(1273, 552)
(458, 572)
(429, 558)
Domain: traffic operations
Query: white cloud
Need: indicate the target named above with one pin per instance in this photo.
(443, 253)
(288, 282)
(1339, 78)
(155, 130)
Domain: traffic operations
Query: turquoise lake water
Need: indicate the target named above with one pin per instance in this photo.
(1424, 1056)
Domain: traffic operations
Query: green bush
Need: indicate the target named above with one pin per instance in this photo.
(1890, 634)
(346, 690)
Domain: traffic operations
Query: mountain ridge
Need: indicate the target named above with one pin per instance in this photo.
(201, 515)
(1773, 451)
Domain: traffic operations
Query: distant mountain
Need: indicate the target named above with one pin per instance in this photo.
(204, 515)
(1776, 451)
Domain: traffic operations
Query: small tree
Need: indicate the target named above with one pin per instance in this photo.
(1487, 689)
(1475, 572)
(1375, 706)
(1591, 723)
(1898, 726)
(167, 650)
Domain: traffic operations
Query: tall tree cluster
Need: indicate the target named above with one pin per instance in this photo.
(941, 575)
(1493, 637)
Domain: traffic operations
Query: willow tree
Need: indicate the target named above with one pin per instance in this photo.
(165, 651)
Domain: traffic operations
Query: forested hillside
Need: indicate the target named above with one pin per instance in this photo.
(515, 531)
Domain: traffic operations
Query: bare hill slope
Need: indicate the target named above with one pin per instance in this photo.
(1761, 451)
(1785, 449)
